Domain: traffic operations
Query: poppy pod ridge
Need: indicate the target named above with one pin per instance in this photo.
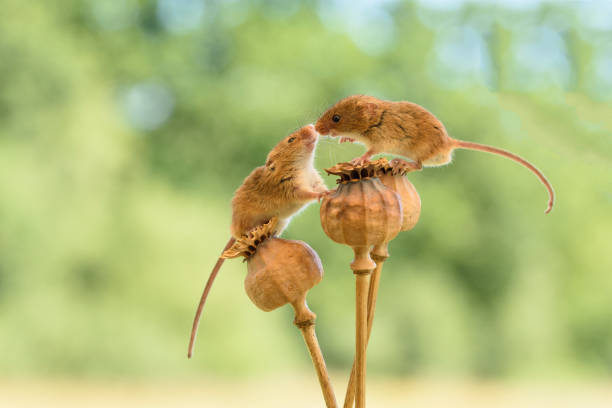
(280, 272)
(361, 213)
(393, 175)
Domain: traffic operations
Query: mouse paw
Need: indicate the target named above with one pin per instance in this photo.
(325, 194)
(359, 161)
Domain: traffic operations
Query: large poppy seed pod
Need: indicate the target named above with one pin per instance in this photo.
(362, 212)
(393, 175)
(280, 271)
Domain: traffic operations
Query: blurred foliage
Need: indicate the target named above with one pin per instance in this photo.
(126, 125)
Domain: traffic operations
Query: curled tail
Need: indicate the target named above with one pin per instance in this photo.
(490, 149)
(198, 315)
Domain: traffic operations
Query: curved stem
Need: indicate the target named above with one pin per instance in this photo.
(312, 343)
(304, 320)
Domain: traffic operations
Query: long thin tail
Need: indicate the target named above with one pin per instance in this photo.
(198, 315)
(490, 149)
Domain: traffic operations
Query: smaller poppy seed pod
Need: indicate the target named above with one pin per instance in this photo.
(393, 175)
(281, 271)
(362, 212)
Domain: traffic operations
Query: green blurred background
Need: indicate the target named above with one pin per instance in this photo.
(126, 125)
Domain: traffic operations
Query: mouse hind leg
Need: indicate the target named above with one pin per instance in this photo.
(439, 160)
(405, 166)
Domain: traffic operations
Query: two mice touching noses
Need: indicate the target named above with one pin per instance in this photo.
(288, 181)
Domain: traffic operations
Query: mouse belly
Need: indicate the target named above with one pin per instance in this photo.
(290, 211)
(429, 153)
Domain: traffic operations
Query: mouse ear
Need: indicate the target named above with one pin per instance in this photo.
(370, 110)
(270, 165)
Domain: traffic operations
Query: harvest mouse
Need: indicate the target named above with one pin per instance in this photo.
(281, 188)
(405, 129)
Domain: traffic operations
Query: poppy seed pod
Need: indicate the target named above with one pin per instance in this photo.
(280, 271)
(362, 212)
(393, 175)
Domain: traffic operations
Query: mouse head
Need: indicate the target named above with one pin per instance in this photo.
(294, 151)
(350, 116)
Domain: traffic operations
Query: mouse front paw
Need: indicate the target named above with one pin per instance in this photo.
(325, 194)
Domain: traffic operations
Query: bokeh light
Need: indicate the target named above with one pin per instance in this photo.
(367, 23)
(147, 105)
(540, 59)
(114, 15)
(461, 58)
(179, 16)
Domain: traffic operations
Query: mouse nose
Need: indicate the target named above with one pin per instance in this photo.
(308, 131)
(322, 130)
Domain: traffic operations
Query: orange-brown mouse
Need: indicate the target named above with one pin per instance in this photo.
(281, 188)
(405, 129)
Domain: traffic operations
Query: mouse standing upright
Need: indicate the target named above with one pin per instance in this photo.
(281, 188)
(405, 129)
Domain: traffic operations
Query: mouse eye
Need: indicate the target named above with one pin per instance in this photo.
(336, 118)
(291, 139)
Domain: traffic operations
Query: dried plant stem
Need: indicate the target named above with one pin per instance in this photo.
(362, 267)
(305, 321)
(379, 255)
(361, 335)
(312, 343)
